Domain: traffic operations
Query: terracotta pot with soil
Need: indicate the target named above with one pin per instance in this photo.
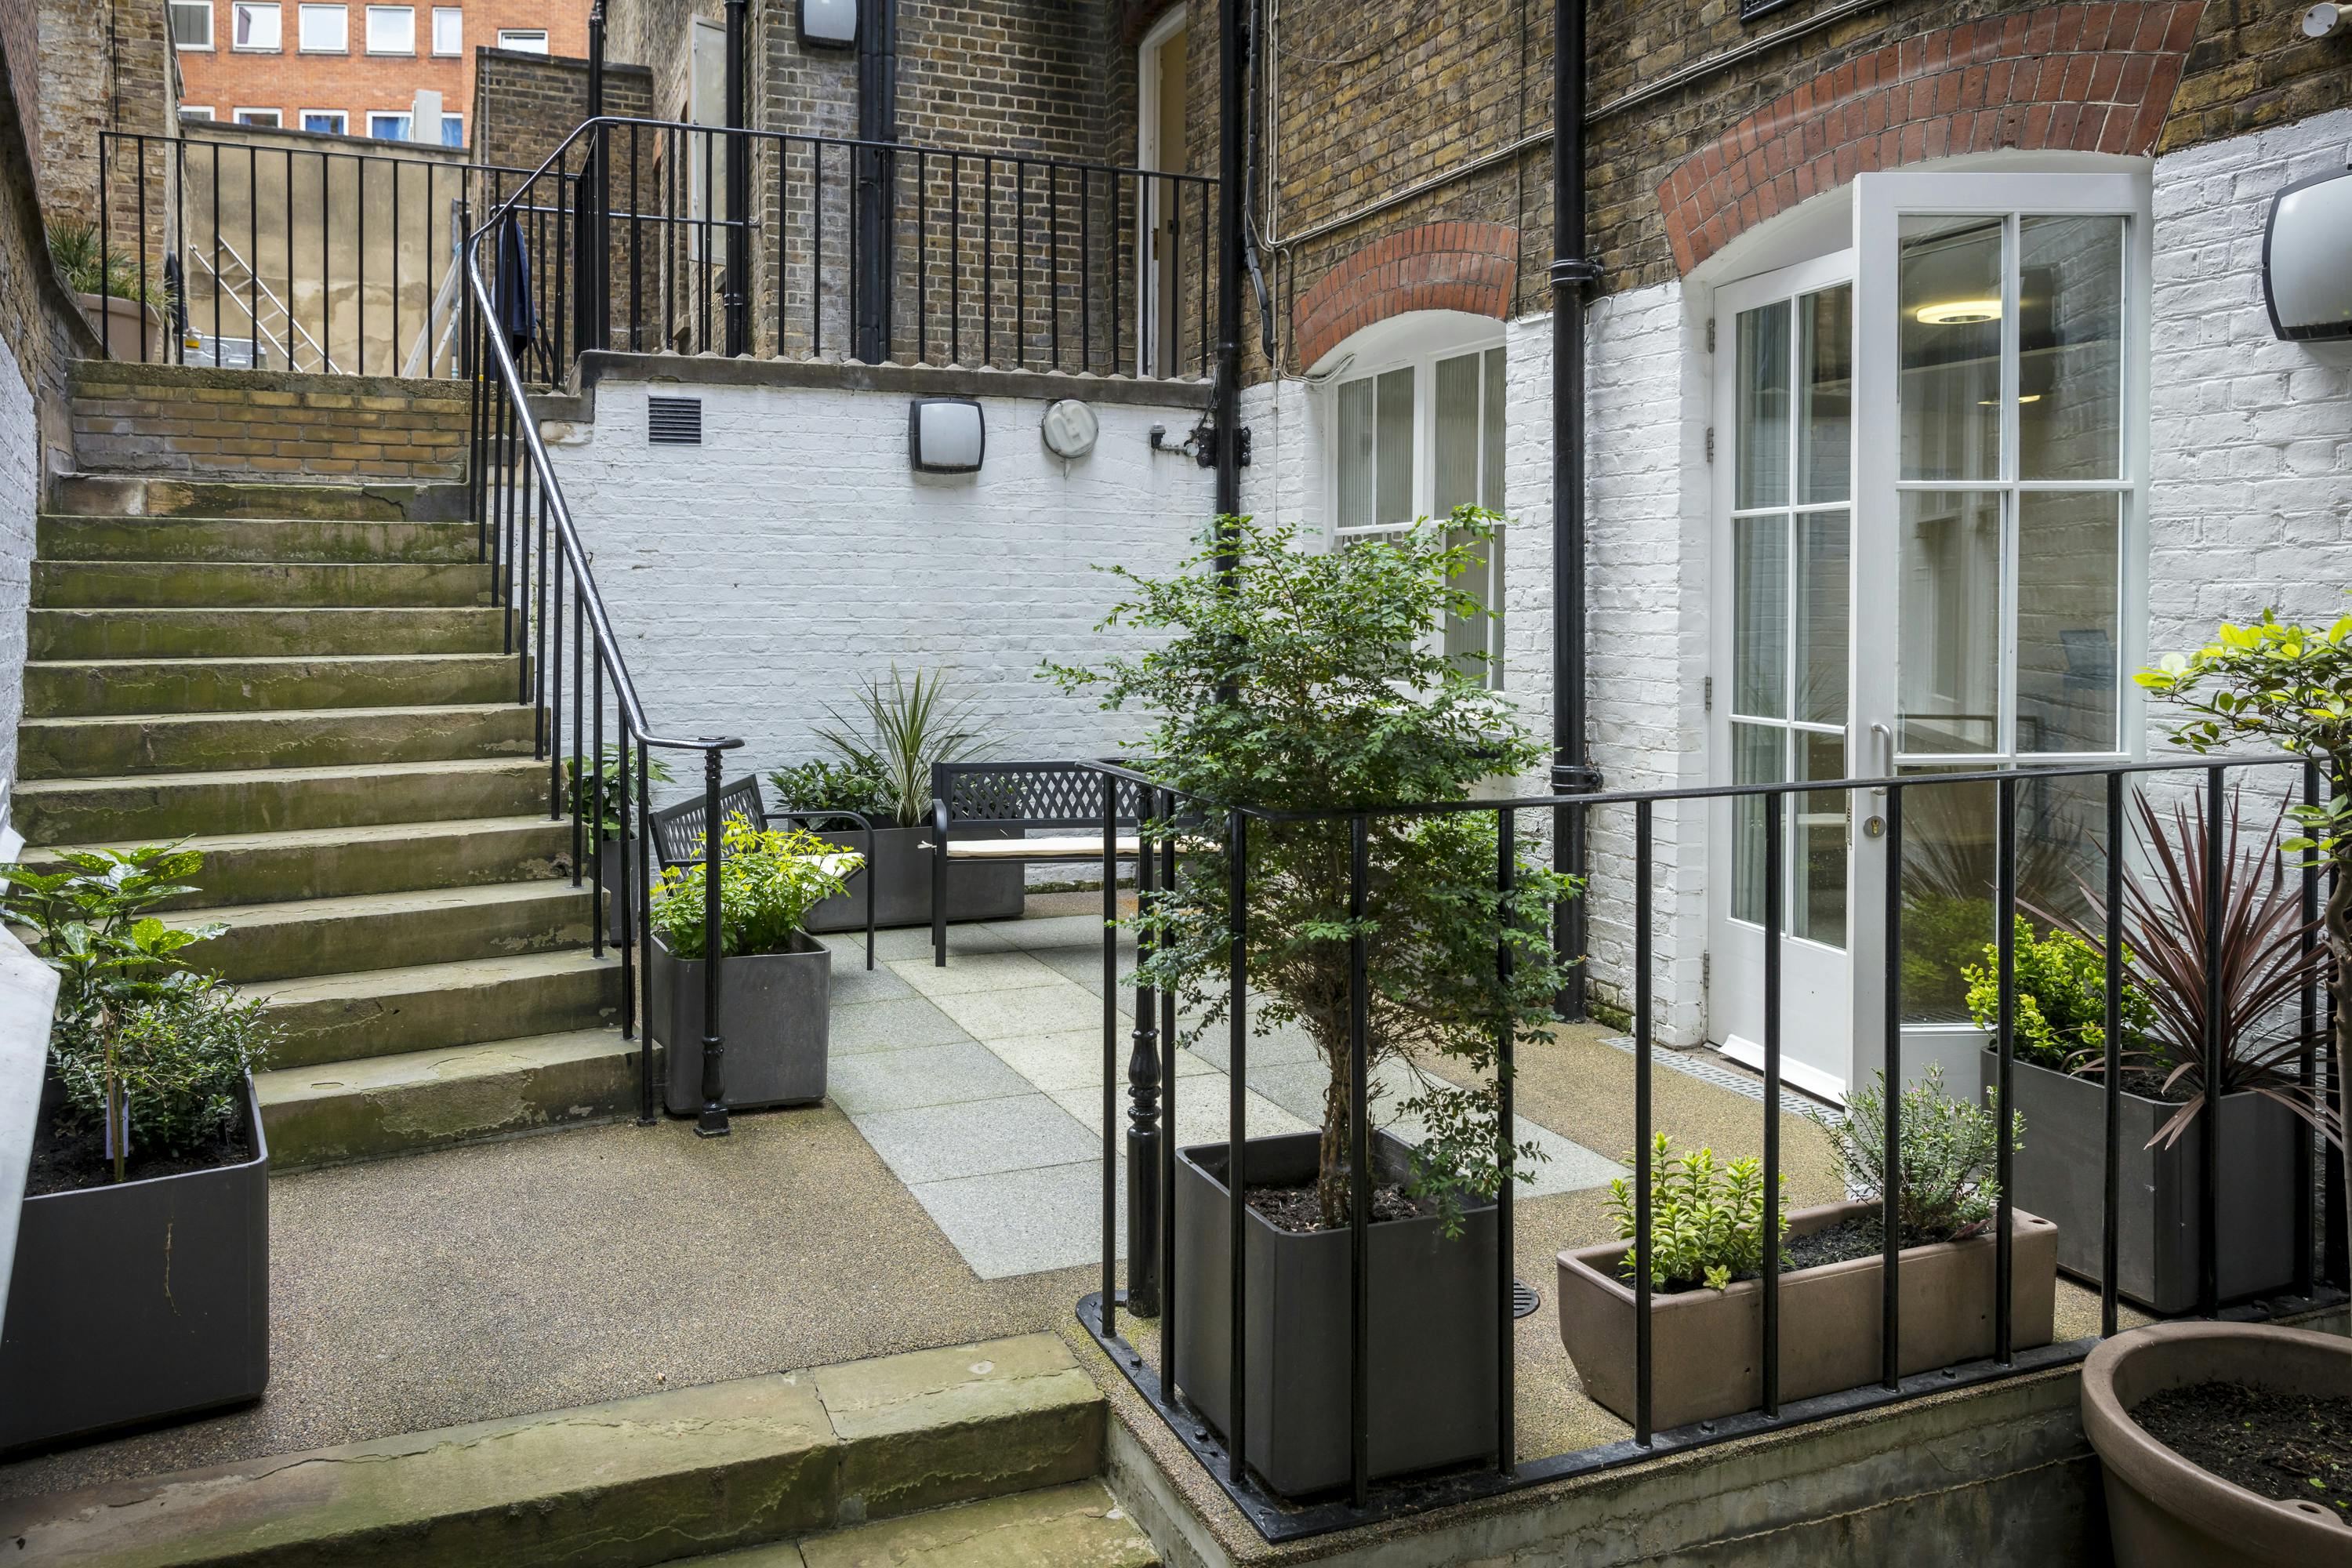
(2264, 1415)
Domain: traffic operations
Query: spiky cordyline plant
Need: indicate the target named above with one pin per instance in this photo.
(1305, 680)
(910, 725)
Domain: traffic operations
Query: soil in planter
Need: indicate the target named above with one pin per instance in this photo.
(64, 1162)
(2289, 1447)
(1300, 1211)
(1862, 1236)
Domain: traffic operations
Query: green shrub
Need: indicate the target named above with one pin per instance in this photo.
(179, 1061)
(2061, 1011)
(1950, 1151)
(768, 879)
(824, 786)
(91, 268)
(595, 791)
(1706, 1219)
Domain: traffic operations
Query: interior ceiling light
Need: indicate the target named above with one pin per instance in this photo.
(2021, 398)
(1960, 313)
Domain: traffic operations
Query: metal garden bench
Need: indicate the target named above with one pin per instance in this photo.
(678, 830)
(1022, 797)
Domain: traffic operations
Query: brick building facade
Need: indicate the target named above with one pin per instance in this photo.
(345, 68)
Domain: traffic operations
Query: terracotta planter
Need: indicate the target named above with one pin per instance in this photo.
(118, 322)
(1709, 1345)
(2166, 1512)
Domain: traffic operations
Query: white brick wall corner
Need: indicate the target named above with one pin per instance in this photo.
(20, 497)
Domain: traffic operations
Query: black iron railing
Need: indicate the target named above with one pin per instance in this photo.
(554, 616)
(297, 254)
(1177, 829)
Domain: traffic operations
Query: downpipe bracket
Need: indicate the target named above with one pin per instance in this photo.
(1574, 272)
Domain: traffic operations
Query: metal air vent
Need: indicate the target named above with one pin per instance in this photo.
(674, 421)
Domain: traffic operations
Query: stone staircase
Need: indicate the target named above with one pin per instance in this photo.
(306, 681)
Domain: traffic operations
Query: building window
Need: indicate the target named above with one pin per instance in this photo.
(1419, 438)
(255, 26)
(448, 30)
(391, 29)
(388, 127)
(258, 117)
(192, 24)
(332, 121)
(323, 29)
(529, 40)
(453, 131)
(195, 111)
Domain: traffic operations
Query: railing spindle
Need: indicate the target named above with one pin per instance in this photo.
(2208, 1171)
(2005, 1041)
(2111, 1095)
(1890, 1214)
(1775, 859)
(1643, 1329)
(1236, 1115)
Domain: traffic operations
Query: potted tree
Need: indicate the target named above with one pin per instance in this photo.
(2058, 1075)
(2223, 1443)
(106, 284)
(597, 791)
(149, 1162)
(1301, 680)
(1707, 1230)
(776, 980)
(881, 769)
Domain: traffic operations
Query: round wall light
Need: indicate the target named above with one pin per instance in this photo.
(1069, 428)
(1959, 312)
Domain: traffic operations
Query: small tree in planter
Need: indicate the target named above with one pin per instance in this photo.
(1707, 1230)
(2289, 686)
(881, 768)
(1305, 681)
(777, 981)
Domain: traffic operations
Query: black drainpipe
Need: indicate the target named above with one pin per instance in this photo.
(1225, 410)
(1571, 272)
(878, 121)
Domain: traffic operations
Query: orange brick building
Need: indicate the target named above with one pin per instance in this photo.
(354, 69)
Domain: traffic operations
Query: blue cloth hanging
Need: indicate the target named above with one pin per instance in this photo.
(518, 317)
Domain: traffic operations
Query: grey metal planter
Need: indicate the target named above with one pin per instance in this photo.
(138, 1303)
(902, 884)
(2061, 1172)
(774, 1011)
(1433, 1322)
(604, 864)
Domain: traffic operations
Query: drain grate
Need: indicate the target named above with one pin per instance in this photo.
(1524, 1299)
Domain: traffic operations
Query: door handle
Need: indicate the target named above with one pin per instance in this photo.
(1883, 737)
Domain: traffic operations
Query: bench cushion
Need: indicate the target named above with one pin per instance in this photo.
(1065, 846)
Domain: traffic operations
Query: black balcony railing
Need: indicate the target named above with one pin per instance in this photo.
(1207, 844)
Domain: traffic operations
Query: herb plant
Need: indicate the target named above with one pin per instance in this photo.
(908, 725)
(1950, 1150)
(768, 879)
(2061, 1009)
(597, 789)
(1707, 1217)
(827, 785)
(179, 1060)
(1304, 679)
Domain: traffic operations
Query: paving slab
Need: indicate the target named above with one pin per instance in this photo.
(934, 1143)
(955, 1073)
(1024, 1013)
(1040, 1217)
(890, 1023)
(969, 972)
(1075, 1060)
(915, 941)
(1060, 1527)
(853, 981)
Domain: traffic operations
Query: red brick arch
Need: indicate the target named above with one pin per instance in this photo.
(1470, 267)
(2086, 77)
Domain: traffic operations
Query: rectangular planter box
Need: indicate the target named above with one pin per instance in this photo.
(902, 883)
(2061, 1171)
(774, 1013)
(140, 1302)
(1432, 1328)
(1707, 1346)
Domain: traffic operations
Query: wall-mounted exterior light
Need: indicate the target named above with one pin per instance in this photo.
(1069, 428)
(829, 24)
(945, 435)
(2305, 281)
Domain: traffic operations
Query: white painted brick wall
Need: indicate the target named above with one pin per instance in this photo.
(759, 578)
(20, 494)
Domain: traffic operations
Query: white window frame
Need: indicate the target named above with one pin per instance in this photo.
(447, 119)
(176, 7)
(302, 15)
(342, 118)
(1417, 345)
(402, 115)
(276, 121)
(277, 12)
(525, 40)
(388, 12)
(456, 16)
(701, 148)
(195, 111)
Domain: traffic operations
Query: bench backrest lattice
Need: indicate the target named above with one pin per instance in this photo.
(1026, 795)
(677, 830)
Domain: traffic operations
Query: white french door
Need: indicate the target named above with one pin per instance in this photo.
(1929, 472)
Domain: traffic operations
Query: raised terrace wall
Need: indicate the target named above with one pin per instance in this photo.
(176, 420)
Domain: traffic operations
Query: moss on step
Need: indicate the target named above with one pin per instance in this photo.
(393, 1012)
(56, 688)
(167, 632)
(262, 800)
(128, 585)
(65, 537)
(143, 495)
(105, 745)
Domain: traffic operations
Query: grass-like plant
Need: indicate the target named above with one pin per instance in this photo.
(1307, 679)
(768, 879)
(910, 724)
(89, 266)
(1945, 1186)
(1707, 1217)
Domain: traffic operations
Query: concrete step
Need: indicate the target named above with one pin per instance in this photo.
(391, 931)
(622, 1485)
(151, 807)
(58, 687)
(63, 536)
(137, 495)
(103, 584)
(335, 1112)
(394, 857)
(1077, 1526)
(178, 632)
(434, 1006)
(110, 745)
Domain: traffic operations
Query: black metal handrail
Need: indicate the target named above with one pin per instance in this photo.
(1150, 1172)
(525, 532)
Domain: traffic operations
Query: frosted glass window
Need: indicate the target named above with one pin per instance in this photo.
(391, 29)
(256, 27)
(324, 29)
